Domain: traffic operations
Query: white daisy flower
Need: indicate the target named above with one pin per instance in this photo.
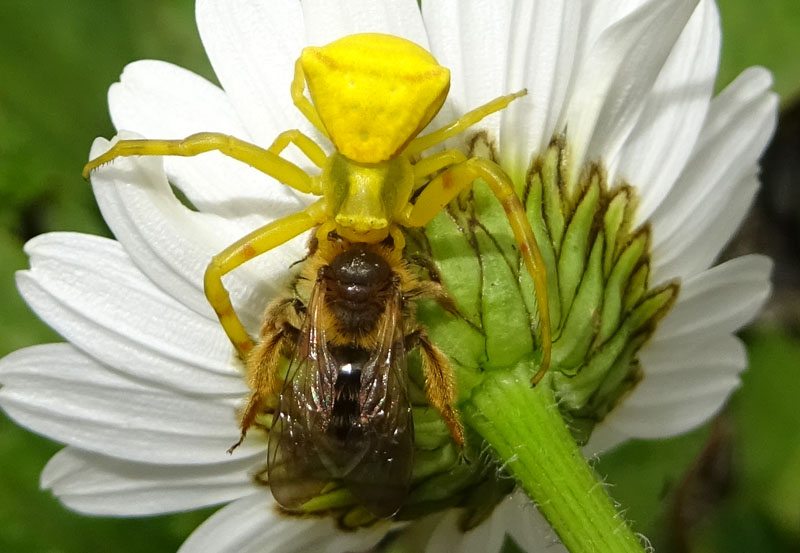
(144, 394)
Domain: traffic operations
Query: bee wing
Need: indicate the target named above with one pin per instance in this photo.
(381, 477)
(295, 469)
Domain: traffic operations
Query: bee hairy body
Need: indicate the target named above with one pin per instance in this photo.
(343, 415)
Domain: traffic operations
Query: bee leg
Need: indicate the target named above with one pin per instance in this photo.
(426, 264)
(440, 385)
(262, 376)
(432, 290)
(452, 181)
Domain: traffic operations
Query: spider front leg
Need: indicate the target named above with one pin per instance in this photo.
(449, 184)
(264, 160)
(301, 101)
(303, 142)
(254, 244)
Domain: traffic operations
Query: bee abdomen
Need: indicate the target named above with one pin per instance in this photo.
(346, 411)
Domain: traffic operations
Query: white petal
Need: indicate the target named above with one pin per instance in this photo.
(669, 419)
(87, 289)
(252, 46)
(471, 39)
(64, 395)
(328, 20)
(98, 485)
(448, 536)
(615, 75)
(692, 362)
(159, 100)
(528, 528)
(173, 245)
(696, 372)
(543, 42)
(674, 112)
(254, 525)
(720, 300)
(698, 252)
(739, 125)
(685, 383)
(27, 366)
(748, 88)
(604, 438)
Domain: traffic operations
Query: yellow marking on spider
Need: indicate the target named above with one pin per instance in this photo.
(371, 95)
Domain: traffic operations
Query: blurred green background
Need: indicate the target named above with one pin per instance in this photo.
(733, 485)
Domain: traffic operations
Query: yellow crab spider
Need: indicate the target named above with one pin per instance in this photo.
(371, 95)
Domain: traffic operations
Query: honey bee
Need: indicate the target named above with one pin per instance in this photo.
(343, 410)
(343, 413)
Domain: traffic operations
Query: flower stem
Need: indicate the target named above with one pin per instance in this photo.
(526, 430)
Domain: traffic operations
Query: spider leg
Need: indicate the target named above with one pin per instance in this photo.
(254, 244)
(431, 164)
(302, 102)
(255, 156)
(422, 143)
(304, 143)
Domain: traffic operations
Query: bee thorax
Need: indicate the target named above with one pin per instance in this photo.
(358, 281)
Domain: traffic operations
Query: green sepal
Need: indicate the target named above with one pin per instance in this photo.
(430, 462)
(575, 250)
(612, 387)
(583, 319)
(458, 264)
(494, 222)
(357, 517)
(534, 211)
(504, 313)
(575, 391)
(335, 499)
(637, 287)
(651, 309)
(443, 486)
(463, 343)
(553, 202)
(615, 287)
(613, 226)
(430, 431)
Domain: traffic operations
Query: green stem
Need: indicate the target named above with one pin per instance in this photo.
(527, 432)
